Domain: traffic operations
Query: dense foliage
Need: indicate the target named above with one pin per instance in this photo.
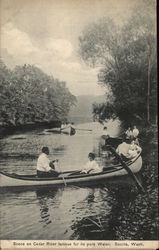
(28, 95)
(127, 59)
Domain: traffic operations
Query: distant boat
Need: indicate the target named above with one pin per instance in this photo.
(68, 130)
(70, 177)
(18, 138)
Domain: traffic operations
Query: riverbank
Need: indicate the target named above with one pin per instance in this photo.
(11, 129)
(138, 218)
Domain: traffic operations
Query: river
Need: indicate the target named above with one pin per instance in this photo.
(66, 213)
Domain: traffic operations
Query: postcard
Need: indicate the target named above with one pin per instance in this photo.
(78, 124)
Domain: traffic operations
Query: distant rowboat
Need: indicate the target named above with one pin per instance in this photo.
(68, 130)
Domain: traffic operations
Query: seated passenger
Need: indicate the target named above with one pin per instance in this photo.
(45, 167)
(135, 132)
(72, 125)
(129, 133)
(124, 147)
(92, 166)
(134, 150)
(63, 125)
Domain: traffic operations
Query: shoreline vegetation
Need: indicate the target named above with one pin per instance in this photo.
(29, 98)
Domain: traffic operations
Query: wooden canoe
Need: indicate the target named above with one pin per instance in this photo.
(69, 177)
(113, 141)
(68, 130)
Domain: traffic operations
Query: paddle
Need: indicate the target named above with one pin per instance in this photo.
(135, 179)
(64, 180)
(84, 129)
(62, 175)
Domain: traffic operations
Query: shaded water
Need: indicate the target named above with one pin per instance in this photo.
(112, 211)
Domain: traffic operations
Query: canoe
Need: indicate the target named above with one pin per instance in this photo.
(68, 130)
(70, 177)
(113, 141)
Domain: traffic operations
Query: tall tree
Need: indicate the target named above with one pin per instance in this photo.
(126, 56)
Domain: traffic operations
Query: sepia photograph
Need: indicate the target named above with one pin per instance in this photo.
(78, 124)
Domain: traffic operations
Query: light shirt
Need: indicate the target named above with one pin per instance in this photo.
(129, 133)
(63, 126)
(92, 166)
(134, 150)
(135, 132)
(43, 163)
(132, 153)
(123, 148)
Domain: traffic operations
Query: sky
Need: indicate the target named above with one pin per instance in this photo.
(45, 33)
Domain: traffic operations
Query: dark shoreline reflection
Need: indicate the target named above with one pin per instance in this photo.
(112, 203)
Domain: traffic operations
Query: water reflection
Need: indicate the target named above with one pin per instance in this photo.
(92, 225)
(43, 196)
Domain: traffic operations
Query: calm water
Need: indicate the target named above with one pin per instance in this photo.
(68, 212)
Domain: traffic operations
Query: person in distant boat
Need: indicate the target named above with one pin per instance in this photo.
(72, 125)
(129, 133)
(45, 167)
(66, 124)
(69, 124)
(135, 132)
(63, 125)
(91, 166)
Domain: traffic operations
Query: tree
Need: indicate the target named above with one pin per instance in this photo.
(28, 95)
(127, 60)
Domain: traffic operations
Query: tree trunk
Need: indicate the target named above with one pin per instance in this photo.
(148, 91)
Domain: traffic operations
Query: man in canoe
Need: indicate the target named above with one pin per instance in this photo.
(45, 167)
(91, 166)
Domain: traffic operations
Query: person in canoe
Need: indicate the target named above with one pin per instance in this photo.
(129, 133)
(123, 148)
(91, 166)
(134, 149)
(45, 167)
(128, 149)
(135, 134)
